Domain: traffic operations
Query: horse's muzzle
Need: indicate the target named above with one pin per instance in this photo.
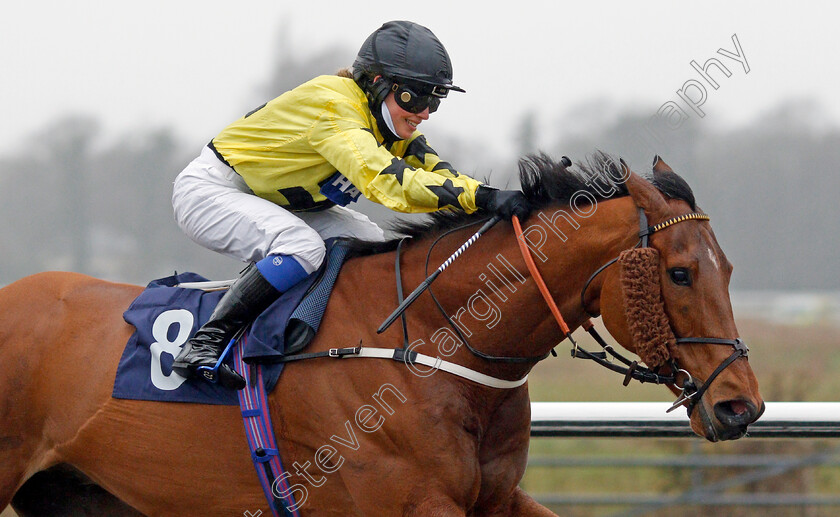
(734, 416)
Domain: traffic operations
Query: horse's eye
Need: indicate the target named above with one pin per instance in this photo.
(680, 276)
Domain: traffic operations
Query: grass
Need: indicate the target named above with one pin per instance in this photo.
(792, 364)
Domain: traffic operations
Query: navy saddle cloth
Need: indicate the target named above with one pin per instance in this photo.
(165, 317)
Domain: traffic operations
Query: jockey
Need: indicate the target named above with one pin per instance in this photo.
(274, 184)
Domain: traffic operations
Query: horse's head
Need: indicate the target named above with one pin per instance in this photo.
(668, 302)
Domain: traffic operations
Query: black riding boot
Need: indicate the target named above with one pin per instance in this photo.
(244, 301)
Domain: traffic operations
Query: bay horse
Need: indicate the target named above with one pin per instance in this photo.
(367, 436)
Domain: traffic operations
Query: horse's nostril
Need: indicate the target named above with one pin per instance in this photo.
(738, 407)
(735, 413)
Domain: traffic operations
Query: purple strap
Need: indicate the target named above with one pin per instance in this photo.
(261, 441)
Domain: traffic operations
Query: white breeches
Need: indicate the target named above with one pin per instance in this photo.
(216, 209)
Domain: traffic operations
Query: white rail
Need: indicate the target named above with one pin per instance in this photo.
(649, 419)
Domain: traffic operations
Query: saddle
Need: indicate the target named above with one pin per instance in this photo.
(171, 309)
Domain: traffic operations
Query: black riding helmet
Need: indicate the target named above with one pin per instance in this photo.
(412, 62)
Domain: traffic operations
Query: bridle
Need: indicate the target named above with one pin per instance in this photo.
(690, 391)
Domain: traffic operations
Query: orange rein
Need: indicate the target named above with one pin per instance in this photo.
(535, 273)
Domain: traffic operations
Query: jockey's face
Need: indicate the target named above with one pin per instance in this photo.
(405, 122)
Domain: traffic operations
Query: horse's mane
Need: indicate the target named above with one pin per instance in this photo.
(544, 181)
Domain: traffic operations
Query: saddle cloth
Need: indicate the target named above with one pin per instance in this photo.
(165, 317)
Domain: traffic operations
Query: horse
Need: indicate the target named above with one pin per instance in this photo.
(368, 436)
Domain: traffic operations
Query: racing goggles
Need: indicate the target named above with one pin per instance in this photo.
(416, 99)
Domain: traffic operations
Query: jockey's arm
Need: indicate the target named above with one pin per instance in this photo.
(409, 184)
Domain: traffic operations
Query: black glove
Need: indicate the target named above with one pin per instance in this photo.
(504, 203)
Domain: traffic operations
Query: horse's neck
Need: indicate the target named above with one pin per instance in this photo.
(576, 252)
(491, 295)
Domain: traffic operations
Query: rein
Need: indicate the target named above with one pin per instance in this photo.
(691, 393)
(406, 354)
(473, 350)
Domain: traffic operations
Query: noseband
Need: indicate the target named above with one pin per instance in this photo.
(691, 393)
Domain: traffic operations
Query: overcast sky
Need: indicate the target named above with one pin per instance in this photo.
(193, 65)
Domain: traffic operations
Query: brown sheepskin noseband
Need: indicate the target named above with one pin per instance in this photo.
(643, 306)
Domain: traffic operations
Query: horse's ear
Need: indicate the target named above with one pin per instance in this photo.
(645, 195)
(659, 165)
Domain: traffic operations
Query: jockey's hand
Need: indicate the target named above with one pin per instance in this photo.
(504, 203)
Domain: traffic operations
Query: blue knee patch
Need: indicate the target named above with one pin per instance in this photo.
(281, 271)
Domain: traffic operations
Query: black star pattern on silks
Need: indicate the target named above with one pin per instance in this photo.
(445, 165)
(397, 168)
(419, 148)
(447, 193)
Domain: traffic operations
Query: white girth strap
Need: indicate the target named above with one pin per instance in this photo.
(389, 353)
(210, 285)
(440, 364)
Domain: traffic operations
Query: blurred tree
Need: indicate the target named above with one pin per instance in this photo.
(69, 152)
(525, 135)
(295, 66)
(137, 238)
(768, 187)
(46, 197)
(71, 202)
